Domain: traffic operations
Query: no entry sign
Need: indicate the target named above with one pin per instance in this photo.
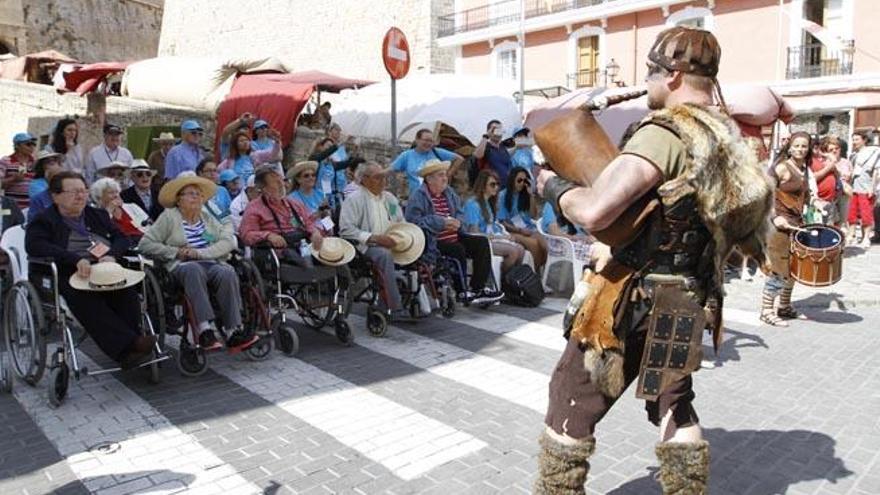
(395, 53)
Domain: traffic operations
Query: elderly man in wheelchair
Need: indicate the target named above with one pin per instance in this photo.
(83, 243)
(192, 246)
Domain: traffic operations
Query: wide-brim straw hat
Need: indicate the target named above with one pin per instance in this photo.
(141, 165)
(335, 252)
(301, 167)
(409, 242)
(107, 276)
(44, 154)
(165, 137)
(168, 193)
(432, 166)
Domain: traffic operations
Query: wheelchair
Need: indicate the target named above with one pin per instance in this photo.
(191, 358)
(366, 287)
(35, 311)
(437, 280)
(314, 293)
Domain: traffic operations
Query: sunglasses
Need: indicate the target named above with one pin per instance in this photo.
(29, 143)
(143, 174)
(521, 181)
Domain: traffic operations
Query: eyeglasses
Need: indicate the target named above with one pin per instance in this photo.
(76, 192)
(196, 133)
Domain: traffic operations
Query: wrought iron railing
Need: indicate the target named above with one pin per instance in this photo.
(817, 60)
(583, 78)
(506, 11)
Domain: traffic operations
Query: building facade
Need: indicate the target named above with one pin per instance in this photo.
(342, 37)
(834, 85)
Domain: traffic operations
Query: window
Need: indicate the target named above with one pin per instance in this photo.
(507, 64)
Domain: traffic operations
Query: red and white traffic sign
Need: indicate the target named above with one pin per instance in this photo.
(395, 53)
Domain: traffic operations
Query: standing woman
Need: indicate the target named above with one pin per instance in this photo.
(831, 150)
(261, 139)
(480, 217)
(792, 193)
(244, 160)
(517, 210)
(65, 141)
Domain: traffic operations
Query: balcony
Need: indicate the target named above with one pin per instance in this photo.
(583, 78)
(816, 60)
(506, 11)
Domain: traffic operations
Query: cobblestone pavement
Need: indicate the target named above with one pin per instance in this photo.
(455, 406)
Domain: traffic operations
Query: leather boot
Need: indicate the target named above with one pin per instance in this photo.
(684, 467)
(562, 468)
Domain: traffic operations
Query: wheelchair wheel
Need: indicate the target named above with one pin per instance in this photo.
(6, 374)
(448, 302)
(155, 307)
(343, 332)
(23, 329)
(377, 322)
(261, 349)
(59, 381)
(191, 360)
(287, 339)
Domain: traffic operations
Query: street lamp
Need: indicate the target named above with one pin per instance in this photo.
(611, 70)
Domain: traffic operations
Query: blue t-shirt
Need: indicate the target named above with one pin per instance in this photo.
(548, 216)
(412, 161)
(473, 216)
(334, 180)
(311, 201)
(522, 157)
(262, 144)
(36, 187)
(222, 199)
(508, 215)
(244, 167)
(499, 161)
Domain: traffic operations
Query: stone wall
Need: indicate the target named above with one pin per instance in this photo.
(36, 108)
(342, 37)
(94, 30)
(838, 124)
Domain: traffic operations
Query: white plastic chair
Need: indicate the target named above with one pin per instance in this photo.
(13, 243)
(561, 249)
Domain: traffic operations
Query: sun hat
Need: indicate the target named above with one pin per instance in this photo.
(23, 137)
(190, 125)
(335, 252)
(106, 276)
(260, 124)
(409, 242)
(139, 165)
(300, 167)
(432, 166)
(165, 137)
(111, 165)
(228, 175)
(169, 191)
(44, 154)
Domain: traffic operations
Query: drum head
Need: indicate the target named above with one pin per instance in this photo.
(819, 237)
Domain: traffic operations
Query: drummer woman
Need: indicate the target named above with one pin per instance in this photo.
(789, 171)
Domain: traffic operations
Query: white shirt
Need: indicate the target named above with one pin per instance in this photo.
(100, 157)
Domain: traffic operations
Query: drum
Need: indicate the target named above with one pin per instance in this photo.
(817, 255)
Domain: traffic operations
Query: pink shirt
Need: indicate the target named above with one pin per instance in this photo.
(258, 220)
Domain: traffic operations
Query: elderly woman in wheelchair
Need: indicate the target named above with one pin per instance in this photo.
(279, 229)
(75, 237)
(192, 245)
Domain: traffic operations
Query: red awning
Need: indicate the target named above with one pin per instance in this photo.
(322, 80)
(277, 101)
(88, 77)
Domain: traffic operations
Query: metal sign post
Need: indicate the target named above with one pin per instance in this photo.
(395, 55)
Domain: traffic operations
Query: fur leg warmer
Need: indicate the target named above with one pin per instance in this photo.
(684, 467)
(562, 469)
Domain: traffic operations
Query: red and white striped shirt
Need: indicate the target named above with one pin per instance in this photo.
(441, 208)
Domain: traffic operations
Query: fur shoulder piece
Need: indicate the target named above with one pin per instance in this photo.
(734, 193)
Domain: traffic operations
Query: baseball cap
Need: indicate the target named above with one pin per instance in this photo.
(190, 125)
(260, 124)
(112, 129)
(228, 175)
(23, 137)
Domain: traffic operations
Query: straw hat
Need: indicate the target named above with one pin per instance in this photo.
(433, 165)
(409, 242)
(300, 167)
(44, 154)
(106, 276)
(168, 193)
(114, 164)
(165, 137)
(335, 252)
(140, 165)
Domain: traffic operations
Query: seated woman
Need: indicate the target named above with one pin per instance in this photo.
(193, 247)
(231, 181)
(75, 236)
(48, 163)
(479, 218)
(303, 177)
(129, 218)
(516, 210)
(436, 208)
(281, 222)
(219, 204)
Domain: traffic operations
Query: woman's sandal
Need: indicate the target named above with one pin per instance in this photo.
(788, 312)
(769, 317)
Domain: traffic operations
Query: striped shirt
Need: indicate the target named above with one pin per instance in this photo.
(195, 234)
(441, 208)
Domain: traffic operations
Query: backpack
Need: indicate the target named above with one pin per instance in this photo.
(522, 286)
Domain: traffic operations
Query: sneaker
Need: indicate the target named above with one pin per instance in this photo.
(208, 341)
(240, 340)
(466, 296)
(487, 296)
